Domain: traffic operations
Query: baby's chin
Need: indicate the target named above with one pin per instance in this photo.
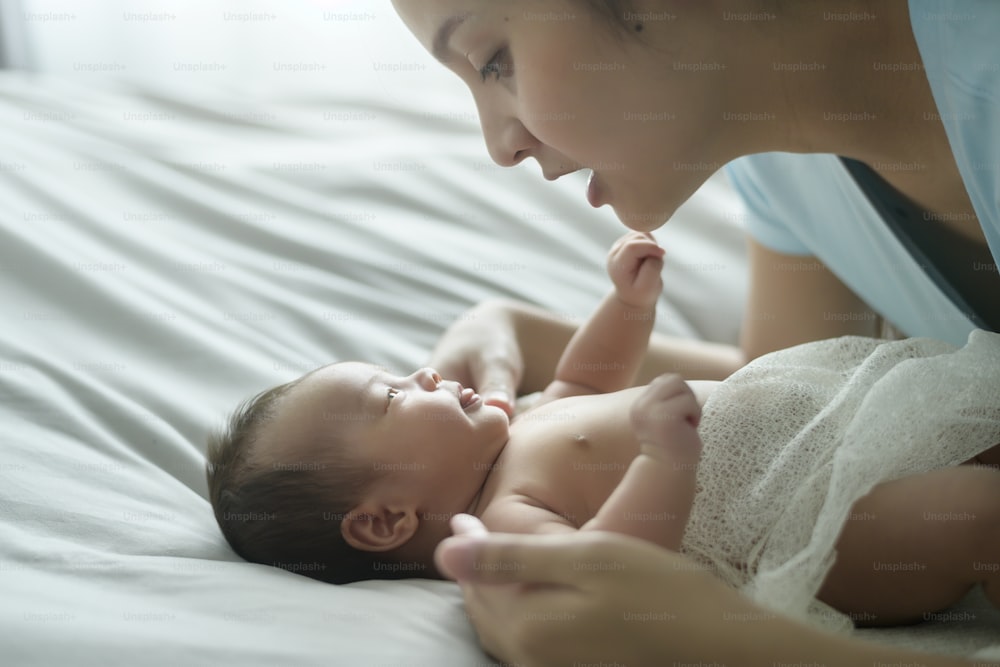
(495, 407)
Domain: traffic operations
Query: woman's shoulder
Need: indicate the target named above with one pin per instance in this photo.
(811, 205)
(961, 58)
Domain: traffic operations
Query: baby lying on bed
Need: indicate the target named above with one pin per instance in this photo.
(806, 488)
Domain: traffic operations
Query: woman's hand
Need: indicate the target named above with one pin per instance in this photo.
(604, 598)
(481, 350)
(590, 597)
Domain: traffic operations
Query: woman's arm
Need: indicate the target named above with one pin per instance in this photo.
(503, 347)
(794, 299)
(598, 597)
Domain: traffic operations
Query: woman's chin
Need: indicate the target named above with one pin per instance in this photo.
(641, 219)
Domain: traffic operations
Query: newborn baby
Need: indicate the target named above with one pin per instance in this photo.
(352, 472)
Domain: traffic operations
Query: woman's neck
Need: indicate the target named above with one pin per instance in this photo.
(840, 77)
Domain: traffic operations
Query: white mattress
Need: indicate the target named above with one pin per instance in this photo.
(167, 253)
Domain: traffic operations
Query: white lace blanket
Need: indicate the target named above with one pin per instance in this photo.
(794, 439)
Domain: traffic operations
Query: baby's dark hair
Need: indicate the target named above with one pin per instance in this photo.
(288, 514)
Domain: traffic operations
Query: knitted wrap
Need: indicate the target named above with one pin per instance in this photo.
(794, 439)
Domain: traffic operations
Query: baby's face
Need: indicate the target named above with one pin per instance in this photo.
(422, 430)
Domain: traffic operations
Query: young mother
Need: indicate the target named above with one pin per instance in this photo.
(864, 137)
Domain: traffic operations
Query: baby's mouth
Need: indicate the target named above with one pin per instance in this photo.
(467, 398)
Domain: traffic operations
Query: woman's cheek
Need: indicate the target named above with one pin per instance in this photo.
(565, 118)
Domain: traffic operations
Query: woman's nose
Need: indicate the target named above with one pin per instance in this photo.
(507, 140)
(428, 378)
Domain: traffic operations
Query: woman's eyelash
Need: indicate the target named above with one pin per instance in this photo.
(495, 67)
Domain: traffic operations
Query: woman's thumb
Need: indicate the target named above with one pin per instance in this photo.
(497, 387)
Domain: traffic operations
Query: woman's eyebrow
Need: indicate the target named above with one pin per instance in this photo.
(441, 45)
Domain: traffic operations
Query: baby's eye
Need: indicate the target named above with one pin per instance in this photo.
(390, 394)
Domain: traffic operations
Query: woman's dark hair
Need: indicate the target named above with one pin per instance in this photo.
(614, 11)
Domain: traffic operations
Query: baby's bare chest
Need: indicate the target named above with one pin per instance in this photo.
(568, 458)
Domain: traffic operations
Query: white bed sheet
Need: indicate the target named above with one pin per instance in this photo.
(154, 276)
(166, 253)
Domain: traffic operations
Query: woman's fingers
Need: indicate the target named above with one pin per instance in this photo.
(449, 560)
(468, 525)
(498, 559)
(497, 375)
(481, 350)
(497, 392)
(504, 558)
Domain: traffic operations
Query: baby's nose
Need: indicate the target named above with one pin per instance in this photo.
(429, 378)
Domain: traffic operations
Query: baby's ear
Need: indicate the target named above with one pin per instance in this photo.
(369, 527)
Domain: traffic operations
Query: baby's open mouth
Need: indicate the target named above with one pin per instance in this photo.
(467, 398)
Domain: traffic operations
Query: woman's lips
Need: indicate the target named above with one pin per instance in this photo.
(594, 191)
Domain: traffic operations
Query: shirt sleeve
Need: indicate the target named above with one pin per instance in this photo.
(764, 221)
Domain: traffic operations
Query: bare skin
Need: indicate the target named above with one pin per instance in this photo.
(547, 70)
(910, 548)
(916, 545)
(509, 580)
(598, 454)
(780, 311)
(518, 100)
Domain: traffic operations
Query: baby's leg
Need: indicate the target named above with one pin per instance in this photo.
(916, 545)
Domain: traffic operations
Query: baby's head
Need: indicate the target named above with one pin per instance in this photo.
(351, 472)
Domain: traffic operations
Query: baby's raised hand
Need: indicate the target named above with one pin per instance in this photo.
(665, 419)
(634, 265)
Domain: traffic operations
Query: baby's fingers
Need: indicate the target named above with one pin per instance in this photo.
(627, 259)
(648, 274)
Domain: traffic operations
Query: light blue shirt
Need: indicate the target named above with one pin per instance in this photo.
(810, 205)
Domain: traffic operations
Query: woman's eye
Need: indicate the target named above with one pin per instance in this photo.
(390, 394)
(498, 66)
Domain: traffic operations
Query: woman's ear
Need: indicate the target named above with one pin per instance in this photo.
(372, 527)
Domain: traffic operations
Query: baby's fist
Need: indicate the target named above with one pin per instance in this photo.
(665, 418)
(634, 265)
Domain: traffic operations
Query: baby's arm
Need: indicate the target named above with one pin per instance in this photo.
(605, 354)
(654, 498)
